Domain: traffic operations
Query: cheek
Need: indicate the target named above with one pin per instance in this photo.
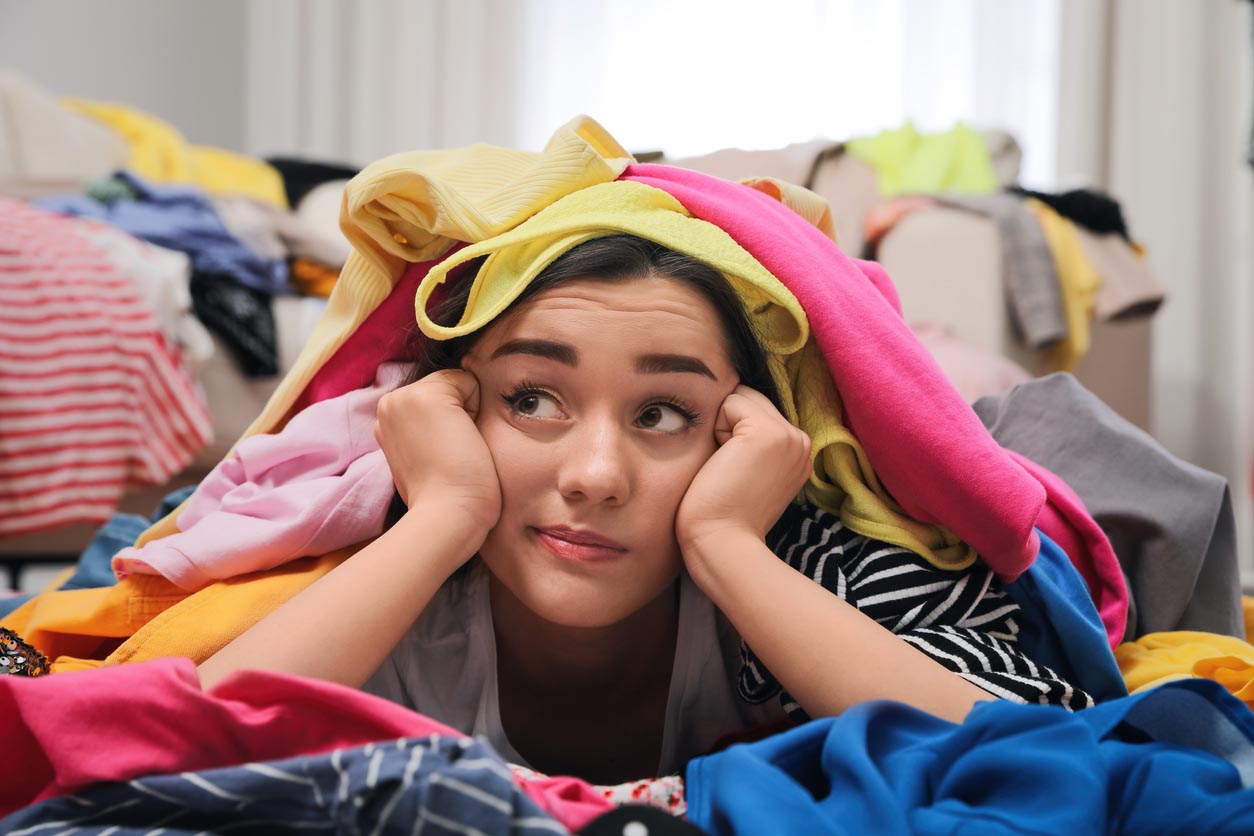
(668, 480)
(518, 461)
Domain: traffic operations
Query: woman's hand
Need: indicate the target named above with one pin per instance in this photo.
(761, 463)
(427, 432)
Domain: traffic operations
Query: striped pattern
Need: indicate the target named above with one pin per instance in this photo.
(962, 619)
(92, 398)
(436, 786)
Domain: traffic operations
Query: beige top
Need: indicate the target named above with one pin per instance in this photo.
(445, 668)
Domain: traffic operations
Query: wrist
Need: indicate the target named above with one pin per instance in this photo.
(447, 533)
(717, 549)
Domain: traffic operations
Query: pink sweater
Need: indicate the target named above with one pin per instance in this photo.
(318, 485)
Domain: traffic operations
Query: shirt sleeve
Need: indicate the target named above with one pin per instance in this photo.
(386, 682)
(962, 619)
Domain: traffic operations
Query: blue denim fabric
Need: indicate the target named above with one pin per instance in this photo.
(93, 569)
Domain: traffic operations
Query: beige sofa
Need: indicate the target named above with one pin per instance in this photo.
(947, 264)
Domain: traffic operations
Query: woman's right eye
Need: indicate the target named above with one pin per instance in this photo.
(533, 404)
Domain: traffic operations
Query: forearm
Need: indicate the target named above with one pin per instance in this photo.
(823, 650)
(344, 625)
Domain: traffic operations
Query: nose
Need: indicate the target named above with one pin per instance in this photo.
(595, 464)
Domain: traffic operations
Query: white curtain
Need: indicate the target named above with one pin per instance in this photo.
(1156, 99)
(691, 77)
(355, 81)
(362, 80)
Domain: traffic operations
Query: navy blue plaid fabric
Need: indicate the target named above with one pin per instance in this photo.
(434, 786)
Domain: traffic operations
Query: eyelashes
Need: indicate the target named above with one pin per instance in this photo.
(688, 412)
(522, 392)
(517, 398)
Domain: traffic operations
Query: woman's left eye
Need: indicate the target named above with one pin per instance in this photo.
(664, 418)
(534, 405)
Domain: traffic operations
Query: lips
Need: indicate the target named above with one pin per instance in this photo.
(573, 544)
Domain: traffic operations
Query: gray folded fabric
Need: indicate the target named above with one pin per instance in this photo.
(1170, 522)
(1032, 287)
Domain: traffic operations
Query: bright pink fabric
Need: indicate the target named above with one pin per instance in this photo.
(381, 337)
(384, 335)
(67, 731)
(926, 444)
(1066, 521)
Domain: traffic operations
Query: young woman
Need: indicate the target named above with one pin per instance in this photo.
(586, 488)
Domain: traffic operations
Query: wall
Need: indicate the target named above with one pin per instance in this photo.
(356, 82)
(1155, 107)
(1181, 105)
(179, 59)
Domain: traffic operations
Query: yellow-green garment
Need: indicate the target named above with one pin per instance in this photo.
(160, 153)
(844, 482)
(1185, 654)
(908, 162)
(1077, 280)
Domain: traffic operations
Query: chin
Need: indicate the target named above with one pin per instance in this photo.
(582, 602)
(583, 608)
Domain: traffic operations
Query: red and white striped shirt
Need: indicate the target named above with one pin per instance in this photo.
(93, 398)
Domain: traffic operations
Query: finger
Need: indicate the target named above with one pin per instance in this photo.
(723, 425)
(755, 396)
(465, 387)
(744, 403)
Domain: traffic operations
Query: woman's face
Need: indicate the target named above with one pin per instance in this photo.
(598, 402)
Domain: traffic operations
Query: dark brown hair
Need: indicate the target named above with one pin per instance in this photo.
(611, 258)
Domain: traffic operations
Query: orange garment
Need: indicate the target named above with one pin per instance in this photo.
(313, 279)
(147, 617)
(1247, 612)
(1157, 658)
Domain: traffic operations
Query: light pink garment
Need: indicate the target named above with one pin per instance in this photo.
(974, 371)
(318, 485)
(925, 443)
(68, 731)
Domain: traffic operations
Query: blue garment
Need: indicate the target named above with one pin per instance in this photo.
(1176, 759)
(1060, 626)
(180, 218)
(436, 784)
(94, 567)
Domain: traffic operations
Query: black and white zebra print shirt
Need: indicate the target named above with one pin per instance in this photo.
(962, 619)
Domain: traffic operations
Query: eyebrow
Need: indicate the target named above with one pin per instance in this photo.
(671, 364)
(568, 356)
(548, 349)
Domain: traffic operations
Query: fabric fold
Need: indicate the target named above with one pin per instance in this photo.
(317, 486)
